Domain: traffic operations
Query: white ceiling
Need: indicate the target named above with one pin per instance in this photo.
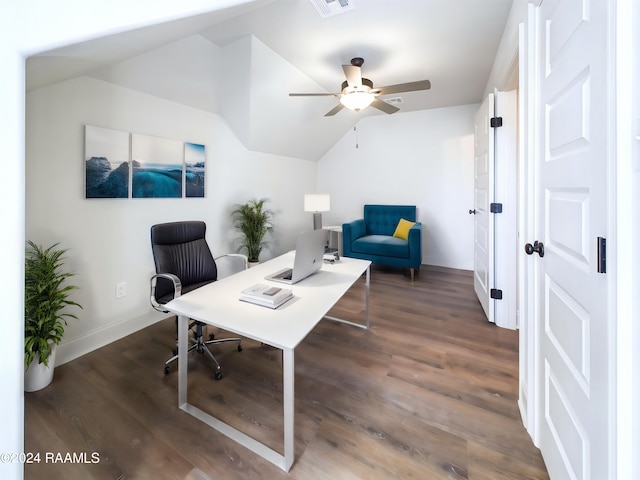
(450, 42)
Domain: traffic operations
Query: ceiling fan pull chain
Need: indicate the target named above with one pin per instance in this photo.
(356, 130)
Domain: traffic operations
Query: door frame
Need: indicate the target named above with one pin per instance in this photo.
(518, 72)
(519, 68)
(625, 184)
(529, 376)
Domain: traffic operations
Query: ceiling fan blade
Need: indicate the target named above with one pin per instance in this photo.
(404, 87)
(353, 74)
(314, 94)
(334, 110)
(384, 106)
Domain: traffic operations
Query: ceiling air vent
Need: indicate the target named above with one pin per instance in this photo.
(329, 8)
(394, 100)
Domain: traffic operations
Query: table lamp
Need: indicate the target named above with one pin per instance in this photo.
(316, 203)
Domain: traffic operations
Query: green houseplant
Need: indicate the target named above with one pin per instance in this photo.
(46, 295)
(253, 221)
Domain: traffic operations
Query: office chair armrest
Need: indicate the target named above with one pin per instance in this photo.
(177, 289)
(234, 263)
(236, 255)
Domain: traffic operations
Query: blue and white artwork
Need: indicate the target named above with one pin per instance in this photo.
(157, 167)
(106, 163)
(194, 160)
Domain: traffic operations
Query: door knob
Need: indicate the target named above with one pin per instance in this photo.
(536, 247)
(472, 212)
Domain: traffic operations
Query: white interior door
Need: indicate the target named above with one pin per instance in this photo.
(505, 176)
(574, 410)
(495, 232)
(483, 261)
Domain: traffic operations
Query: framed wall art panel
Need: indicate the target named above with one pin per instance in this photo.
(157, 167)
(106, 163)
(194, 162)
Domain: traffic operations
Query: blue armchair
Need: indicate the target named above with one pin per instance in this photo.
(372, 237)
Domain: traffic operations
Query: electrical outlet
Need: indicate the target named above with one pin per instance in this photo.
(121, 289)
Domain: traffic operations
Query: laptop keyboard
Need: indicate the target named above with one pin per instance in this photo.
(286, 275)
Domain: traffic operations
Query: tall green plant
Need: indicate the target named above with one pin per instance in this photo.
(45, 296)
(253, 221)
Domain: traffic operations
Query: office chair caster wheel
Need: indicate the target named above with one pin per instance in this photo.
(166, 370)
(218, 375)
(239, 348)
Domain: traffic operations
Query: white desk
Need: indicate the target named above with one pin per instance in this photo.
(218, 304)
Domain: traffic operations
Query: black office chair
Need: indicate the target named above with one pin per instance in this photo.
(183, 263)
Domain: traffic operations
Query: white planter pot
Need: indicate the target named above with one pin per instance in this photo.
(38, 375)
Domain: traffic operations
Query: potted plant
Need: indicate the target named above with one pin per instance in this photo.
(253, 221)
(45, 297)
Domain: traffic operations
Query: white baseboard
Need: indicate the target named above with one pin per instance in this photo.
(440, 262)
(70, 350)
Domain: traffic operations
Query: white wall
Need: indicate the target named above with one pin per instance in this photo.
(108, 239)
(420, 158)
(27, 28)
(256, 82)
(186, 71)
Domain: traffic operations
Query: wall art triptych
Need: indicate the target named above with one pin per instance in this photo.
(123, 165)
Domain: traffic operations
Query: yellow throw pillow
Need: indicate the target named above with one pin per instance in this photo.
(402, 230)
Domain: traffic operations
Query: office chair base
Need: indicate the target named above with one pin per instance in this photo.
(203, 348)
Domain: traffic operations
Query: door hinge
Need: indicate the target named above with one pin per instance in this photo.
(496, 122)
(495, 208)
(495, 293)
(602, 255)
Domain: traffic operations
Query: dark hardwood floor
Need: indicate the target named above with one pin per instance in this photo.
(429, 392)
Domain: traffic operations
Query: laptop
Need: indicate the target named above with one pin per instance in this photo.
(308, 258)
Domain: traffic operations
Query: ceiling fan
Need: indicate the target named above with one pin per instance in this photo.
(357, 92)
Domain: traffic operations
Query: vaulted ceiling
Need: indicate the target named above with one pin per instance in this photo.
(242, 62)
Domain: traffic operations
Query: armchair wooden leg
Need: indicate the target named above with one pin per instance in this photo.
(412, 273)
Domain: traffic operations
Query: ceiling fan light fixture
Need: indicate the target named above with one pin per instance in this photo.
(357, 92)
(357, 100)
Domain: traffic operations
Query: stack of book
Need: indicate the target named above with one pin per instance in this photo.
(266, 295)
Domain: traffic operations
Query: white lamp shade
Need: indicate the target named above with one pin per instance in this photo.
(316, 202)
(357, 100)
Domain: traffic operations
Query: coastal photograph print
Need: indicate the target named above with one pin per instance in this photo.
(106, 162)
(194, 162)
(157, 166)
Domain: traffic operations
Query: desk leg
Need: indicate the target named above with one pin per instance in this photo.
(366, 305)
(288, 374)
(366, 298)
(183, 359)
(283, 461)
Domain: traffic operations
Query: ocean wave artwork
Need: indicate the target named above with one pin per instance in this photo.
(104, 181)
(194, 160)
(129, 165)
(152, 181)
(106, 163)
(157, 167)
